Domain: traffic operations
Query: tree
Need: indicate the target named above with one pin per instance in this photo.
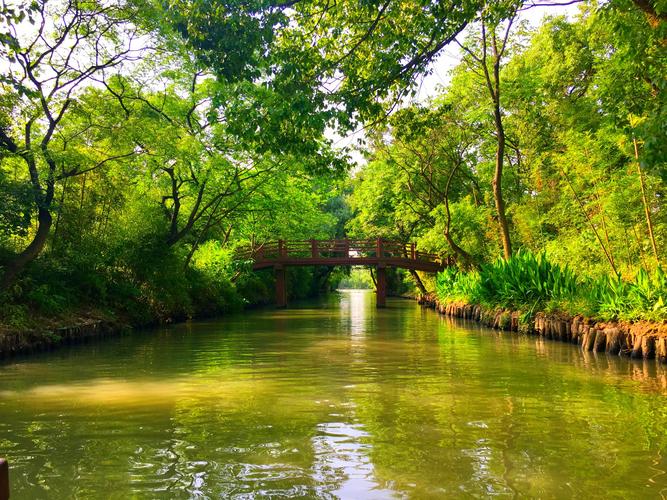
(485, 51)
(433, 149)
(581, 91)
(53, 49)
(339, 61)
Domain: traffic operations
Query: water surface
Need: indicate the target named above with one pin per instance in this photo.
(333, 399)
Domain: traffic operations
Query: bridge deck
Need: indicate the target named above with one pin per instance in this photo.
(341, 253)
(378, 253)
(404, 263)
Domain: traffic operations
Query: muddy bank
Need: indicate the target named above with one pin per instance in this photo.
(21, 342)
(642, 340)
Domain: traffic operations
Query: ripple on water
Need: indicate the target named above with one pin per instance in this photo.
(332, 400)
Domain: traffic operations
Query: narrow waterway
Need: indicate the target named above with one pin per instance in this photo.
(332, 399)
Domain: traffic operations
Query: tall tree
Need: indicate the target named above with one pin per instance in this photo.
(344, 62)
(485, 51)
(51, 50)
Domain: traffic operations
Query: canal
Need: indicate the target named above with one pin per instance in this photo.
(332, 399)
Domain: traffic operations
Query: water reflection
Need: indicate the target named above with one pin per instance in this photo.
(333, 400)
(343, 459)
(354, 311)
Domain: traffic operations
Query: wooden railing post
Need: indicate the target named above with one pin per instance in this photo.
(378, 250)
(313, 249)
(346, 248)
(282, 249)
(4, 479)
(413, 254)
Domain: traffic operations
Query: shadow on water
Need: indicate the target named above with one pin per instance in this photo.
(333, 399)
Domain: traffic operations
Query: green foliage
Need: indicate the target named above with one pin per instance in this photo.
(46, 300)
(15, 316)
(357, 279)
(14, 209)
(255, 288)
(148, 175)
(583, 112)
(643, 298)
(453, 285)
(371, 51)
(525, 280)
(531, 283)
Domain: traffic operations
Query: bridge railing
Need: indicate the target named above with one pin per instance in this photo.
(345, 248)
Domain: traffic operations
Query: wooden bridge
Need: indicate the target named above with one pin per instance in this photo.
(378, 253)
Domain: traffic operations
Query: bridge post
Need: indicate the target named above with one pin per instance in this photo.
(4, 479)
(313, 249)
(379, 250)
(281, 286)
(413, 255)
(381, 287)
(282, 249)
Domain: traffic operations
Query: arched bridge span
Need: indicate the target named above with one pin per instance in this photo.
(378, 253)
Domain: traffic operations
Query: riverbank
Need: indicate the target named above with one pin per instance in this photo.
(50, 333)
(45, 333)
(643, 339)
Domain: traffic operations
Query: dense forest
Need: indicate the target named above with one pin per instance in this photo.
(141, 143)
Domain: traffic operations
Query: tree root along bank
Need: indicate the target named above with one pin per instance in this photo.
(643, 340)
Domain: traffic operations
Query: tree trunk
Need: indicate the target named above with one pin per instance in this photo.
(639, 247)
(468, 261)
(375, 283)
(418, 281)
(497, 181)
(647, 211)
(18, 264)
(493, 85)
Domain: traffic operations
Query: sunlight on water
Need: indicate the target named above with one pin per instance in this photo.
(110, 392)
(333, 399)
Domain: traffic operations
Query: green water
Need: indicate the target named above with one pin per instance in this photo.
(332, 400)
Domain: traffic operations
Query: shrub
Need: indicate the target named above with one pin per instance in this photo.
(526, 280)
(453, 285)
(531, 283)
(643, 298)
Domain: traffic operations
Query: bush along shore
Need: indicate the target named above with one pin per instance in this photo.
(63, 314)
(528, 294)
